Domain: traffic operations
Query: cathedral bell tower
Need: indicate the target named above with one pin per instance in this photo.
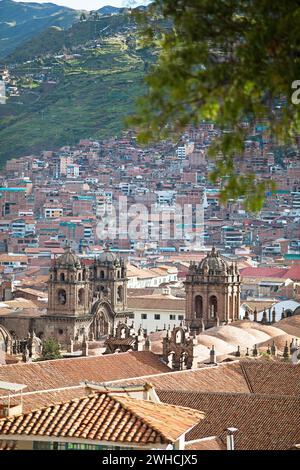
(68, 287)
(212, 292)
(109, 278)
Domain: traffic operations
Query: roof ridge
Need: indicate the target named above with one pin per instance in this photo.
(249, 394)
(164, 436)
(48, 390)
(159, 404)
(247, 378)
(51, 405)
(160, 374)
(20, 364)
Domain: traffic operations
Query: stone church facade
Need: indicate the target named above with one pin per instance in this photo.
(212, 292)
(84, 302)
(89, 303)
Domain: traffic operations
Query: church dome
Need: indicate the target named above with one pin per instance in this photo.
(68, 260)
(214, 263)
(107, 257)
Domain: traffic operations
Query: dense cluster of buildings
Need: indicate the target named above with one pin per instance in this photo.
(152, 314)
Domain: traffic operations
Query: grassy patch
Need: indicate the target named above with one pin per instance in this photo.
(91, 98)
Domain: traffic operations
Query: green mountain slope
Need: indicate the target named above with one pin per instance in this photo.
(21, 21)
(55, 40)
(85, 93)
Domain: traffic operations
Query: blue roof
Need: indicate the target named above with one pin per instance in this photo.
(292, 256)
(13, 189)
(167, 248)
(84, 198)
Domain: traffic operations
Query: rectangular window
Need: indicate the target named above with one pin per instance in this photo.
(157, 316)
(130, 315)
(144, 316)
(180, 317)
(172, 317)
(40, 445)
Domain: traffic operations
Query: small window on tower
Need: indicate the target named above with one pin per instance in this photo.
(60, 331)
(120, 294)
(62, 296)
(81, 296)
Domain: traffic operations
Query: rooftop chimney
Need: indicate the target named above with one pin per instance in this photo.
(230, 438)
(212, 355)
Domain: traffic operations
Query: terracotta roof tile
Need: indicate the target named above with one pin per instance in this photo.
(261, 377)
(224, 377)
(272, 378)
(264, 272)
(263, 422)
(105, 417)
(59, 373)
(156, 303)
(209, 443)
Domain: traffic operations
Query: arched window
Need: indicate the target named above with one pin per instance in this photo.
(101, 274)
(171, 359)
(120, 294)
(179, 337)
(79, 276)
(123, 333)
(199, 306)
(183, 361)
(213, 306)
(81, 296)
(62, 296)
(62, 277)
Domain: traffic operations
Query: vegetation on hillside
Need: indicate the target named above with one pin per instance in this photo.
(66, 94)
(55, 40)
(22, 21)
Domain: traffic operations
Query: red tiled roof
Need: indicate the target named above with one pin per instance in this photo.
(104, 417)
(263, 377)
(263, 422)
(58, 373)
(293, 273)
(209, 443)
(285, 273)
(272, 378)
(42, 398)
(224, 377)
(263, 272)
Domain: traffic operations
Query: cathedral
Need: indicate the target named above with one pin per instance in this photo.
(88, 302)
(84, 302)
(212, 292)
